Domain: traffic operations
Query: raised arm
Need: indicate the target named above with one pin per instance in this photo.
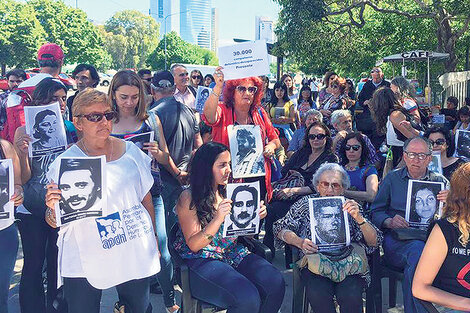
(210, 108)
(21, 144)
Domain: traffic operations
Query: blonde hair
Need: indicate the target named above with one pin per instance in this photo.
(128, 78)
(457, 207)
(86, 98)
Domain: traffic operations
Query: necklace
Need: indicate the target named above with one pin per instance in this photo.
(351, 168)
(108, 159)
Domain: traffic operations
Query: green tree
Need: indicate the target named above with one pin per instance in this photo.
(20, 35)
(179, 51)
(70, 28)
(133, 36)
(322, 34)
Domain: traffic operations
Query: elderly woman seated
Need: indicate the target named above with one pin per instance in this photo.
(341, 272)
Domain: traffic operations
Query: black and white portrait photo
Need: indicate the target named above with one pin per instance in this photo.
(201, 97)
(140, 139)
(81, 183)
(45, 126)
(435, 165)
(422, 203)
(462, 144)
(244, 217)
(246, 149)
(6, 189)
(329, 223)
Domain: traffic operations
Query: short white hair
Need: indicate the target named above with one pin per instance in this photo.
(333, 167)
(336, 115)
(314, 113)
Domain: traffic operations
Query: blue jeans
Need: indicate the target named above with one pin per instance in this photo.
(405, 255)
(254, 286)
(165, 276)
(39, 242)
(9, 248)
(82, 297)
(171, 191)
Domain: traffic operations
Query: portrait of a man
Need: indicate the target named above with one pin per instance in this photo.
(81, 190)
(244, 217)
(329, 222)
(422, 202)
(4, 187)
(248, 160)
(201, 97)
(462, 145)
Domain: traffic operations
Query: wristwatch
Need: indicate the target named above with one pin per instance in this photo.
(208, 236)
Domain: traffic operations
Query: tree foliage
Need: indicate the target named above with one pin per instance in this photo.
(351, 35)
(131, 37)
(179, 51)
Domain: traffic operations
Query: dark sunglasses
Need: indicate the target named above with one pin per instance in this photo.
(251, 90)
(438, 142)
(96, 117)
(196, 77)
(354, 147)
(317, 136)
(375, 71)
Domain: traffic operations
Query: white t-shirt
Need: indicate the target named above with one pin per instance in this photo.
(121, 246)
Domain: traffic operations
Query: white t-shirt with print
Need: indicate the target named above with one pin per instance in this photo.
(121, 246)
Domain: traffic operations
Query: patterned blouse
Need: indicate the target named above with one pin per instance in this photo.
(298, 221)
(227, 249)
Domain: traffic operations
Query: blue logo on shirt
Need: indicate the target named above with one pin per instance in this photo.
(111, 231)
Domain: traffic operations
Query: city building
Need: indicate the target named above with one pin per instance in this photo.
(166, 12)
(215, 30)
(264, 29)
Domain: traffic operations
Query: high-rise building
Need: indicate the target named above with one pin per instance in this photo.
(195, 26)
(215, 29)
(166, 12)
(264, 29)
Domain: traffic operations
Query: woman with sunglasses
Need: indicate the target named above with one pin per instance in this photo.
(196, 79)
(37, 238)
(336, 101)
(88, 265)
(315, 151)
(242, 106)
(363, 176)
(126, 96)
(443, 145)
(283, 113)
(340, 273)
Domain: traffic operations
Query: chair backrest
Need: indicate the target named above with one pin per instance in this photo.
(429, 306)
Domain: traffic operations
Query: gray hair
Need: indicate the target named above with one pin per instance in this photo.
(166, 90)
(315, 113)
(172, 68)
(333, 167)
(336, 115)
(422, 139)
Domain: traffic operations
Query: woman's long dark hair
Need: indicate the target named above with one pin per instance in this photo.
(45, 90)
(307, 148)
(201, 180)
(283, 86)
(383, 102)
(447, 135)
(301, 98)
(364, 151)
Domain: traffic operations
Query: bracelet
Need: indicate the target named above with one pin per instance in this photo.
(215, 94)
(363, 222)
(208, 237)
(178, 175)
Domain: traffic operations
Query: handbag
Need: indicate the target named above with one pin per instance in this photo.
(403, 234)
(292, 179)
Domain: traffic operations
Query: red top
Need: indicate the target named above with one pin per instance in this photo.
(225, 116)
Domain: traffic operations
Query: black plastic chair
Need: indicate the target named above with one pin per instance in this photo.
(188, 302)
(429, 306)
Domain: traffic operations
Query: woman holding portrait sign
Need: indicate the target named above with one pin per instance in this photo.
(126, 94)
(342, 272)
(242, 106)
(117, 250)
(38, 239)
(443, 145)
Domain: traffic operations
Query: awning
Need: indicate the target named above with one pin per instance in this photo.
(448, 79)
(416, 55)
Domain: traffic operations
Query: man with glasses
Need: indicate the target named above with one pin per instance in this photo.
(183, 93)
(388, 211)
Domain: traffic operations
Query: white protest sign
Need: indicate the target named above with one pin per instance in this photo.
(244, 60)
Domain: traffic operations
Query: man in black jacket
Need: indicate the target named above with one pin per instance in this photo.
(364, 122)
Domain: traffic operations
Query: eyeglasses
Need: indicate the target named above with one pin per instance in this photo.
(326, 185)
(354, 147)
(438, 142)
(183, 74)
(317, 136)
(376, 71)
(421, 156)
(196, 77)
(96, 117)
(251, 90)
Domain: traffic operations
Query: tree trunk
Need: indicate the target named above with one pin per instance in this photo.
(4, 69)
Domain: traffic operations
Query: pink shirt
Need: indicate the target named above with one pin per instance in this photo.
(186, 98)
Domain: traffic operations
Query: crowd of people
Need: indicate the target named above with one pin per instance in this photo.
(319, 141)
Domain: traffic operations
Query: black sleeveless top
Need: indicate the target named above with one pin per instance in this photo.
(454, 274)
